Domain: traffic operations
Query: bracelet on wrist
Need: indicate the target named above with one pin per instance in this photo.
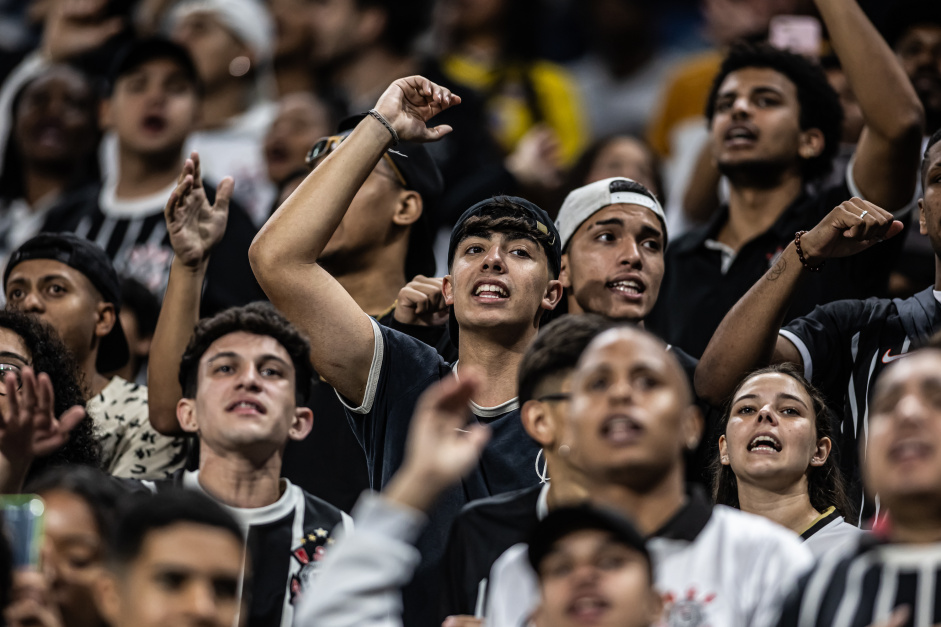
(385, 123)
(800, 254)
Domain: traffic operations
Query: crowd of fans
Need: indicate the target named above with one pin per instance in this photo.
(470, 312)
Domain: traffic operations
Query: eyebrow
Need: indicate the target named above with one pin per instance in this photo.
(233, 354)
(14, 356)
(796, 399)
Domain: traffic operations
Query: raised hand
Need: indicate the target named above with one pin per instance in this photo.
(442, 445)
(74, 27)
(410, 102)
(850, 228)
(421, 302)
(28, 425)
(195, 226)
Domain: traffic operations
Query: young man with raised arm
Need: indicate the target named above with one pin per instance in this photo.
(775, 126)
(503, 263)
(842, 346)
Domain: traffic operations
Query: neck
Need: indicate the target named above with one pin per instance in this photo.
(238, 481)
(141, 175)
(366, 75)
(497, 360)
(789, 507)
(649, 508)
(375, 285)
(567, 485)
(92, 382)
(224, 102)
(753, 208)
(292, 74)
(39, 184)
(915, 519)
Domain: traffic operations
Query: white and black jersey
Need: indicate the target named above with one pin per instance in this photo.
(845, 345)
(286, 541)
(713, 565)
(831, 533)
(863, 588)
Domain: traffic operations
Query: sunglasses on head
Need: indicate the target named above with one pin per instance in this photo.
(326, 145)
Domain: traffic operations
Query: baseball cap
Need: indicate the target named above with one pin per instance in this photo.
(248, 20)
(140, 51)
(585, 201)
(538, 219)
(565, 520)
(89, 259)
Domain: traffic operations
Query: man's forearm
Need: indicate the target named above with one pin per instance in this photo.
(746, 337)
(299, 230)
(178, 316)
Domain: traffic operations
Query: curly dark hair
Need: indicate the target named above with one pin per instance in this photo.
(258, 318)
(49, 355)
(819, 104)
(825, 483)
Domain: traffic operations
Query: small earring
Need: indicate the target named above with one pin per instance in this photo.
(725, 459)
(564, 450)
(240, 66)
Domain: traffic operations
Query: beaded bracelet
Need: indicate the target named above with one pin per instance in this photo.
(385, 123)
(800, 254)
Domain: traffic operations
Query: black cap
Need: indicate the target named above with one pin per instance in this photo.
(89, 259)
(539, 221)
(422, 175)
(140, 51)
(563, 521)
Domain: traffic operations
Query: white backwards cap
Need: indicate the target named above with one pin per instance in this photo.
(248, 20)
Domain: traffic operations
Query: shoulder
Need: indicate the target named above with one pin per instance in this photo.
(512, 506)
(749, 529)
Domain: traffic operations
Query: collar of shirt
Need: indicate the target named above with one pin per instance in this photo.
(692, 518)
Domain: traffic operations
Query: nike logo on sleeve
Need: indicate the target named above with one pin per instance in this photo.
(890, 358)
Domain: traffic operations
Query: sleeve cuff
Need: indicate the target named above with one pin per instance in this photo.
(375, 369)
(802, 349)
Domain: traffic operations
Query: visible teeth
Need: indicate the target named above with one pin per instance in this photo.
(630, 286)
(763, 442)
(739, 132)
(248, 405)
(487, 287)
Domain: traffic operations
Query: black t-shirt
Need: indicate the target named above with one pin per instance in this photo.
(480, 534)
(286, 540)
(696, 295)
(402, 369)
(845, 346)
(139, 247)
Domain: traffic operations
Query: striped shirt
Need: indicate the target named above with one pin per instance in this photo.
(863, 588)
(845, 346)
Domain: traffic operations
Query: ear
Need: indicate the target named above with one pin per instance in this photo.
(811, 143)
(553, 294)
(186, 415)
(822, 452)
(538, 423)
(107, 597)
(106, 319)
(408, 209)
(692, 427)
(302, 424)
(447, 290)
(723, 451)
(564, 277)
(922, 220)
(105, 114)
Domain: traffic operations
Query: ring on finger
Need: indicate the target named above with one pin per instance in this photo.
(864, 214)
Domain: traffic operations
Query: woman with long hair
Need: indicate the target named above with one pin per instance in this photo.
(775, 458)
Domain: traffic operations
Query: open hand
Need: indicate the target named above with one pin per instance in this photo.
(410, 102)
(74, 27)
(850, 228)
(421, 302)
(194, 226)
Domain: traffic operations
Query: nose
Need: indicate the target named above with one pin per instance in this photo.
(741, 108)
(766, 415)
(249, 378)
(909, 409)
(32, 303)
(493, 260)
(630, 254)
(200, 600)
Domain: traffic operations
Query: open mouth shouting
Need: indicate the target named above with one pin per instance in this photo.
(154, 123)
(765, 444)
(740, 135)
(621, 429)
(491, 291)
(247, 406)
(631, 288)
(589, 607)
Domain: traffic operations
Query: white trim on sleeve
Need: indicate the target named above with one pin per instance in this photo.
(372, 382)
(802, 349)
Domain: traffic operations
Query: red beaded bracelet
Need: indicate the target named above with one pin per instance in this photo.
(800, 254)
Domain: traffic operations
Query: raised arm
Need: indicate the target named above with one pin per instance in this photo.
(195, 228)
(887, 155)
(748, 336)
(285, 252)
